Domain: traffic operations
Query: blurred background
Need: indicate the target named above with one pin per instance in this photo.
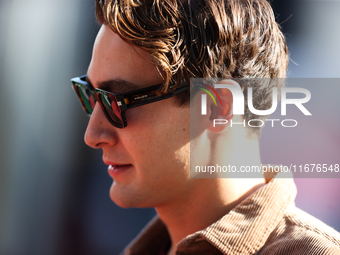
(53, 189)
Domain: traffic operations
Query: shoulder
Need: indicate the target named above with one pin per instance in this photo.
(300, 233)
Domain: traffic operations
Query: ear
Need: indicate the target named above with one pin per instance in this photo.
(221, 113)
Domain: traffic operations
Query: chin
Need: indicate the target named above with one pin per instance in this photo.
(127, 198)
(121, 204)
(119, 197)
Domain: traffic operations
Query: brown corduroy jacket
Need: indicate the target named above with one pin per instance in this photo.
(267, 222)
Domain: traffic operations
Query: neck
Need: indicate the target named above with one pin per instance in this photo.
(209, 199)
(204, 206)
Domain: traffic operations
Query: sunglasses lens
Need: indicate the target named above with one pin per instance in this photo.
(112, 109)
(86, 97)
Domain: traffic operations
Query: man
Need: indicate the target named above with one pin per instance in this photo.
(137, 93)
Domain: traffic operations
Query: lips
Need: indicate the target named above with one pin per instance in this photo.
(114, 169)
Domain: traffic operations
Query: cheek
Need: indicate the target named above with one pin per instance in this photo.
(158, 143)
(158, 131)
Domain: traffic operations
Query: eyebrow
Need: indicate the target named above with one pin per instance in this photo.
(117, 86)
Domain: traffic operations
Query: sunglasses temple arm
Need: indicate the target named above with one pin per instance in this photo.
(154, 98)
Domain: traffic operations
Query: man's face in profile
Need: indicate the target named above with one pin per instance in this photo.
(149, 159)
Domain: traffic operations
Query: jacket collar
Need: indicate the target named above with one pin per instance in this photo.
(244, 230)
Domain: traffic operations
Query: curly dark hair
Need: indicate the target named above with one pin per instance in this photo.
(203, 39)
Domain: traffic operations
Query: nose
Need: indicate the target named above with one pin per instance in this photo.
(100, 132)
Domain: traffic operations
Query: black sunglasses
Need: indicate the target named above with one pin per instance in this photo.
(115, 105)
